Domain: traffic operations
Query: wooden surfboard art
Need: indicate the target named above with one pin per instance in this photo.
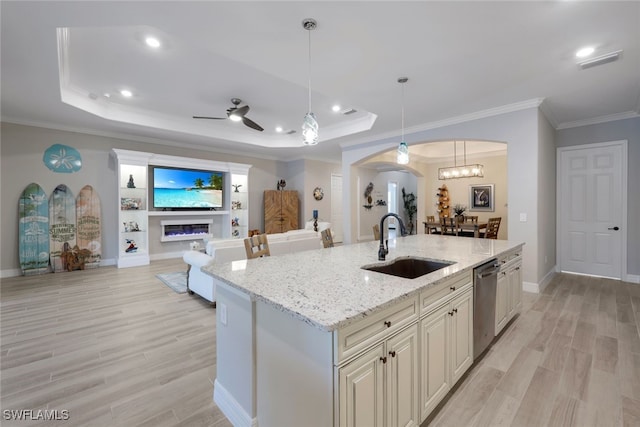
(62, 229)
(33, 230)
(88, 228)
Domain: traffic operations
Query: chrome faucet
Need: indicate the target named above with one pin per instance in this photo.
(384, 248)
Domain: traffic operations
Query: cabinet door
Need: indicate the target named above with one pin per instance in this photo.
(402, 379)
(502, 301)
(362, 390)
(514, 278)
(289, 210)
(461, 335)
(272, 213)
(435, 378)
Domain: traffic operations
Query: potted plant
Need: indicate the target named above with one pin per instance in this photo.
(459, 210)
(410, 208)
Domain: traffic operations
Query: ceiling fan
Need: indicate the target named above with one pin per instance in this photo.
(236, 114)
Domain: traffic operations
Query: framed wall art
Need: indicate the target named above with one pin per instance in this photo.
(481, 198)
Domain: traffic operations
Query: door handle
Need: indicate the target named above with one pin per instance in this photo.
(616, 228)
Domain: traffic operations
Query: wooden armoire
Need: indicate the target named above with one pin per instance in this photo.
(280, 211)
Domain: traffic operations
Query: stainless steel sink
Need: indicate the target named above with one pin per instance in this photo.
(409, 267)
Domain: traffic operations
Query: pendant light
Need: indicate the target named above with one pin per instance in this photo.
(465, 171)
(403, 149)
(309, 124)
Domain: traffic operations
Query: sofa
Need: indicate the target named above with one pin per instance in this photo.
(227, 250)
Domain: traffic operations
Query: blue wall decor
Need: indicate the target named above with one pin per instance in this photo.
(62, 159)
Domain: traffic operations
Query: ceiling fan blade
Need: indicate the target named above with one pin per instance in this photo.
(212, 118)
(252, 124)
(241, 111)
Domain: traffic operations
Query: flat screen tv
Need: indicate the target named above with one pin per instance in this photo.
(185, 189)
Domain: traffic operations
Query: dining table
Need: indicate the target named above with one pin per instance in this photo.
(475, 227)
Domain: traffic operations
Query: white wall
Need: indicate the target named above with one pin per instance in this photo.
(520, 131)
(547, 209)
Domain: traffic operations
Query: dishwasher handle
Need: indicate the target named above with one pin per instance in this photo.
(493, 270)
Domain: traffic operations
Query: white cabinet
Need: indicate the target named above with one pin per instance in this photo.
(446, 335)
(380, 387)
(509, 289)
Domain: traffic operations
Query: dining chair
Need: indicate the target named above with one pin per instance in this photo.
(493, 225)
(432, 229)
(327, 238)
(376, 232)
(449, 226)
(257, 246)
(471, 218)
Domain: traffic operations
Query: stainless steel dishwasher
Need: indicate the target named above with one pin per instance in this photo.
(485, 279)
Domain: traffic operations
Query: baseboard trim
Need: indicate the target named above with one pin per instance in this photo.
(166, 255)
(632, 278)
(231, 408)
(10, 272)
(547, 278)
(534, 288)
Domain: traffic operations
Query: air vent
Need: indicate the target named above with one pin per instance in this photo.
(600, 60)
(291, 132)
(348, 111)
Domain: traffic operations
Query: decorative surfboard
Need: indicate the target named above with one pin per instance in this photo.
(89, 227)
(33, 230)
(62, 228)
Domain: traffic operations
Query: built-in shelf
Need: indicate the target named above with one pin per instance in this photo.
(187, 213)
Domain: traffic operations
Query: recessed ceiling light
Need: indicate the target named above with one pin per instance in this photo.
(278, 129)
(335, 108)
(152, 42)
(107, 95)
(126, 93)
(584, 52)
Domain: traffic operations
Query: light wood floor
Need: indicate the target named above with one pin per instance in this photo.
(117, 347)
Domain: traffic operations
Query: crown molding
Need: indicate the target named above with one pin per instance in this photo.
(598, 120)
(491, 112)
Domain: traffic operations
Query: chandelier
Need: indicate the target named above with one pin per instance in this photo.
(309, 124)
(464, 171)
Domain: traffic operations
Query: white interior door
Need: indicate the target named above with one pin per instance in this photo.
(336, 207)
(592, 209)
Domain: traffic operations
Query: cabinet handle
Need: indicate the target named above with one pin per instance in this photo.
(451, 313)
(384, 359)
(387, 323)
(517, 268)
(392, 353)
(453, 288)
(455, 310)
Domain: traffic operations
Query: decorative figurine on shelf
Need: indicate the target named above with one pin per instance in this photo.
(236, 233)
(235, 222)
(130, 184)
(315, 220)
(236, 204)
(235, 187)
(132, 246)
(281, 184)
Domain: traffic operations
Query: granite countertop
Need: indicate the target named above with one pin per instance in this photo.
(328, 289)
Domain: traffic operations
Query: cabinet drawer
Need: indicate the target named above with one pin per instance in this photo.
(435, 295)
(360, 335)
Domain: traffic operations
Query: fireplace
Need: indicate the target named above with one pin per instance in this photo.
(174, 230)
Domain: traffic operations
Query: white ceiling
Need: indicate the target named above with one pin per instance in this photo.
(461, 58)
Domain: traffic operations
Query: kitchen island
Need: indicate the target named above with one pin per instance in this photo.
(312, 338)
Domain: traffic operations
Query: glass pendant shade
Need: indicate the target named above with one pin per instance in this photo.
(403, 153)
(310, 129)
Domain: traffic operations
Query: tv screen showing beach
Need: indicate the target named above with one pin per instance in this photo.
(186, 189)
